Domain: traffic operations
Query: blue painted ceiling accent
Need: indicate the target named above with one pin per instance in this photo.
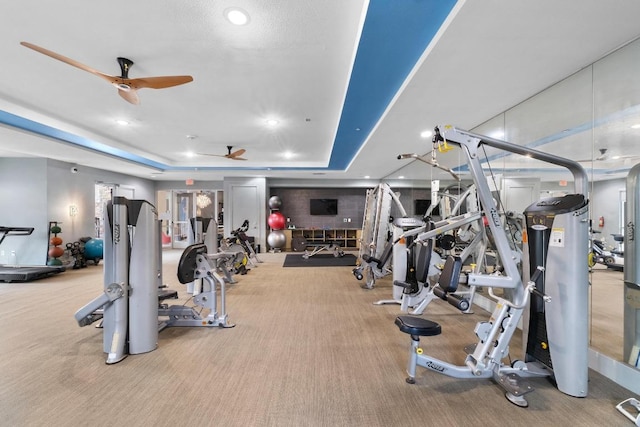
(78, 141)
(394, 36)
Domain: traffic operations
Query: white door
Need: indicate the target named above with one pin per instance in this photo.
(183, 211)
(246, 206)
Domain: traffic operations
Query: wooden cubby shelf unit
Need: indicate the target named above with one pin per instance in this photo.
(347, 238)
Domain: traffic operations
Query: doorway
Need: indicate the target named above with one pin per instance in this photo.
(104, 192)
(176, 208)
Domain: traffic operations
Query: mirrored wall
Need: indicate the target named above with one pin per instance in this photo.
(592, 117)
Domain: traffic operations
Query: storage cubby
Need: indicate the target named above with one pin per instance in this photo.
(347, 238)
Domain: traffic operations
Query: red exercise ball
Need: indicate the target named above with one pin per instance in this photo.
(55, 241)
(276, 221)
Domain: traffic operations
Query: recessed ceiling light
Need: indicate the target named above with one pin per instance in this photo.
(615, 157)
(288, 155)
(236, 16)
(367, 177)
(636, 126)
(272, 122)
(426, 134)
(122, 122)
(190, 154)
(401, 177)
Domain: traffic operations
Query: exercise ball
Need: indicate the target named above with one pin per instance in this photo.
(276, 221)
(55, 229)
(276, 239)
(275, 202)
(56, 241)
(56, 252)
(93, 250)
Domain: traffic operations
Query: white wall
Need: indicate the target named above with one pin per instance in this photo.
(36, 191)
(605, 202)
(23, 203)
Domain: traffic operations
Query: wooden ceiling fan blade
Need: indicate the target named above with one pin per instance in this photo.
(158, 82)
(212, 155)
(129, 95)
(69, 61)
(237, 153)
(226, 156)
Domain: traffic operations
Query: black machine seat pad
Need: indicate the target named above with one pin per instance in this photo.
(418, 326)
(187, 264)
(450, 276)
(384, 257)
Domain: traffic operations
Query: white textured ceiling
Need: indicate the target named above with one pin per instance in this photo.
(292, 62)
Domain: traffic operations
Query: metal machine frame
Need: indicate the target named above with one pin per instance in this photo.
(485, 359)
(130, 306)
(631, 349)
(375, 229)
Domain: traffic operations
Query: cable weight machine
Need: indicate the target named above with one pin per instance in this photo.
(555, 274)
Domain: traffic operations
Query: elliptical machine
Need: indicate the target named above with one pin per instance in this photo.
(239, 242)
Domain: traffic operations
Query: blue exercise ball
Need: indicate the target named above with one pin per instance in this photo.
(93, 250)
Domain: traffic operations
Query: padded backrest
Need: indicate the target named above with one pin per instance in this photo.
(187, 264)
(423, 256)
(386, 254)
(450, 276)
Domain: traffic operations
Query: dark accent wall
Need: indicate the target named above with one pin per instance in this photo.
(295, 205)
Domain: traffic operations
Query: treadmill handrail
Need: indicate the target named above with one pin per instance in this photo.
(14, 231)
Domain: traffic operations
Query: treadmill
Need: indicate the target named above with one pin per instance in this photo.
(11, 273)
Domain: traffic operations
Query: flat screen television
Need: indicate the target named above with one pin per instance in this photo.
(421, 206)
(323, 206)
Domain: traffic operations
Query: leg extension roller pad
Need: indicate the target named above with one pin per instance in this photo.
(418, 326)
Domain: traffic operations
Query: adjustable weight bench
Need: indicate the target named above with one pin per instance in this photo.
(317, 247)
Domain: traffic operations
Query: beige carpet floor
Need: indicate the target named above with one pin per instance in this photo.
(309, 349)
